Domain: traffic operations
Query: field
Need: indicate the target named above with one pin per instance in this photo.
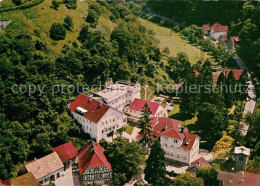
(174, 42)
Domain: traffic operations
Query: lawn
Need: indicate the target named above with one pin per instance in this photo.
(129, 129)
(174, 42)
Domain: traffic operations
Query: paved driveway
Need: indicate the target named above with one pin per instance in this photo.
(68, 179)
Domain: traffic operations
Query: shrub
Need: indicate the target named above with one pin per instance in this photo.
(92, 16)
(68, 22)
(83, 34)
(57, 31)
(17, 2)
(71, 4)
(55, 4)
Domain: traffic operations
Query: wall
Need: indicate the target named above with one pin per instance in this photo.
(61, 171)
(215, 36)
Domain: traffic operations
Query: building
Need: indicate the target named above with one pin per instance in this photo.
(218, 30)
(26, 179)
(241, 157)
(120, 93)
(93, 165)
(48, 168)
(3, 24)
(233, 42)
(201, 162)
(206, 29)
(223, 38)
(134, 110)
(236, 73)
(97, 118)
(238, 178)
(67, 153)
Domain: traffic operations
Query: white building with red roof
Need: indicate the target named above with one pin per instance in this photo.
(97, 118)
(67, 153)
(206, 29)
(218, 30)
(134, 110)
(93, 165)
(120, 93)
(201, 162)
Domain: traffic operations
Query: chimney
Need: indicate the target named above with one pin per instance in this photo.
(100, 104)
(185, 130)
(90, 100)
(165, 126)
(92, 150)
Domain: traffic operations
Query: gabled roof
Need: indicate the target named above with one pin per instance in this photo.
(196, 72)
(92, 158)
(215, 80)
(173, 133)
(224, 37)
(237, 73)
(234, 40)
(45, 166)
(239, 178)
(188, 140)
(219, 28)
(26, 179)
(66, 151)
(242, 150)
(95, 109)
(206, 27)
(5, 182)
(177, 86)
(198, 163)
(138, 104)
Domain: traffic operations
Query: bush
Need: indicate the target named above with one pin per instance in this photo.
(17, 2)
(68, 22)
(83, 35)
(57, 31)
(92, 16)
(55, 4)
(71, 4)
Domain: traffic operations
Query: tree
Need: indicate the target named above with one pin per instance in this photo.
(92, 16)
(155, 170)
(83, 34)
(55, 4)
(118, 179)
(188, 179)
(222, 147)
(71, 4)
(254, 165)
(221, 79)
(68, 22)
(208, 174)
(121, 160)
(57, 31)
(145, 125)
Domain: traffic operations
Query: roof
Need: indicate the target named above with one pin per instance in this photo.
(196, 72)
(188, 140)
(215, 80)
(224, 37)
(234, 39)
(95, 109)
(92, 158)
(237, 73)
(173, 133)
(242, 150)
(198, 163)
(219, 28)
(239, 178)
(44, 166)
(138, 104)
(177, 86)
(66, 151)
(26, 179)
(206, 27)
(5, 182)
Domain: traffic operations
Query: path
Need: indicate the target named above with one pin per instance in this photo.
(251, 101)
(165, 18)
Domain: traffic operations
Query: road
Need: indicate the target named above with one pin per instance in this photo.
(251, 100)
(165, 18)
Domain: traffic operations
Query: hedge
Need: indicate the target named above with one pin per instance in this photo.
(23, 6)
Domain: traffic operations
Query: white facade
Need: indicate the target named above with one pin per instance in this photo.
(216, 35)
(174, 151)
(161, 112)
(120, 94)
(111, 120)
(51, 177)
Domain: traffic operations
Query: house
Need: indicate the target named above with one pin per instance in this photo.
(93, 166)
(3, 24)
(238, 178)
(46, 169)
(97, 118)
(67, 153)
(236, 73)
(26, 179)
(134, 110)
(218, 30)
(241, 157)
(206, 29)
(120, 93)
(223, 38)
(178, 146)
(233, 42)
(201, 162)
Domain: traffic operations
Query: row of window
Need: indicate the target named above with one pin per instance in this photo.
(109, 129)
(176, 155)
(109, 121)
(121, 97)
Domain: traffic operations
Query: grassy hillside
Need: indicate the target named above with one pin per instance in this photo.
(174, 42)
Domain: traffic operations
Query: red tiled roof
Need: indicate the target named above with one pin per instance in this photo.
(173, 133)
(138, 104)
(26, 179)
(5, 183)
(177, 86)
(219, 28)
(190, 138)
(199, 163)
(234, 39)
(206, 27)
(94, 111)
(237, 73)
(225, 37)
(196, 72)
(230, 178)
(66, 151)
(87, 158)
(215, 80)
